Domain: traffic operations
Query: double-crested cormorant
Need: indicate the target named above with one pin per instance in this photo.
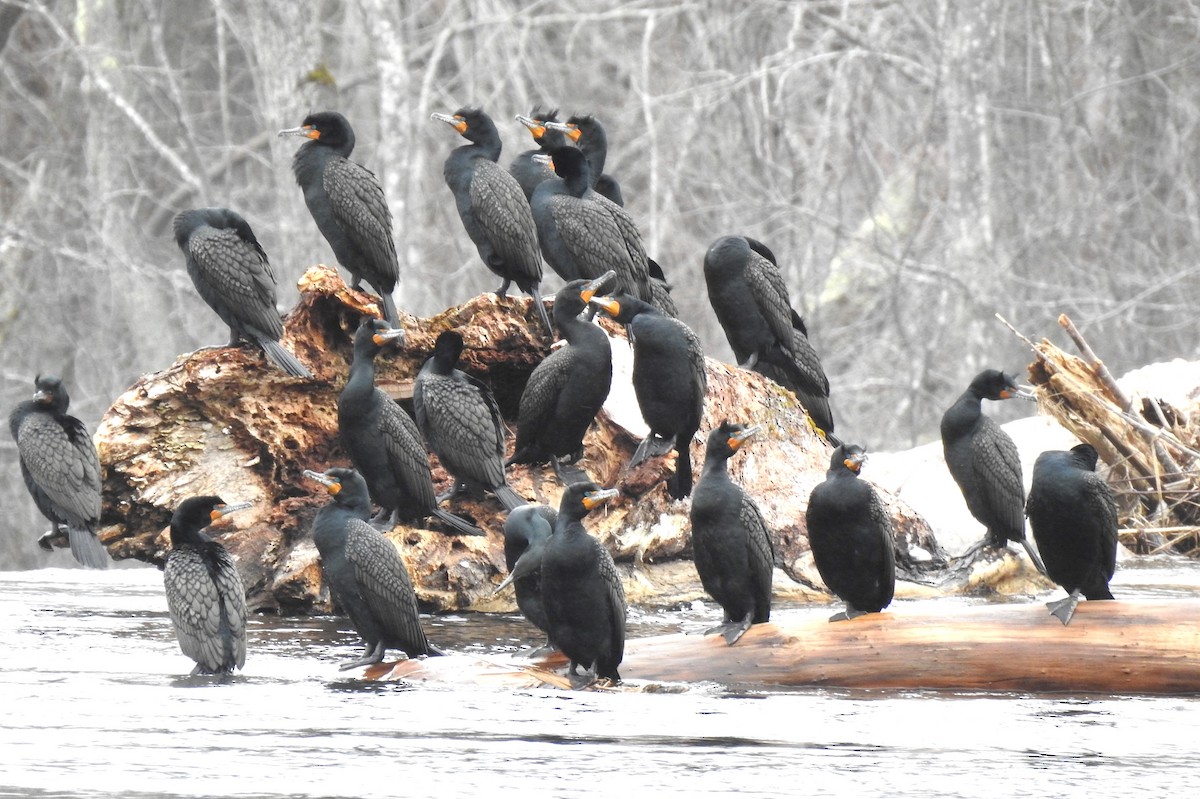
(492, 206)
(730, 542)
(365, 573)
(347, 203)
(851, 536)
(528, 172)
(205, 595)
(750, 299)
(581, 590)
(230, 271)
(61, 469)
(589, 135)
(984, 461)
(1073, 515)
(582, 234)
(566, 390)
(461, 423)
(527, 530)
(383, 441)
(669, 381)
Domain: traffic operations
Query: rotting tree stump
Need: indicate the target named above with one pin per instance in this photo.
(224, 421)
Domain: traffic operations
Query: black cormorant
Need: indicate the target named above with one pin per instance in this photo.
(230, 271)
(589, 135)
(530, 173)
(205, 595)
(669, 380)
(383, 441)
(750, 299)
(851, 536)
(364, 570)
(581, 590)
(730, 542)
(61, 469)
(347, 203)
(461, 423)
(527, 530)
(566, 390)
(1073, 515)
(984, 461)
(492, 206)
(582, 234)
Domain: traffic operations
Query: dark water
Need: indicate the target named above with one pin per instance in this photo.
(94, 701)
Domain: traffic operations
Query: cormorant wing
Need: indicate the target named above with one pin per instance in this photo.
(1103, 505)
(500, 208)
(615, 598)
(61, 459)
(543, 389)
(639, 270)
(195, 600)
(406, 452)
(882, 522)
(761, 550)
(236, 276)
(360, 208)
(997, 467)
(765, 282)
(384, 584)
(593, 240)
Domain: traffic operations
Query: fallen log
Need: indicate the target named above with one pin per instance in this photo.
(1112, 647)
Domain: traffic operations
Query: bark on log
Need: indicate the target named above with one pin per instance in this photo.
(223, 421)
(1111, 647)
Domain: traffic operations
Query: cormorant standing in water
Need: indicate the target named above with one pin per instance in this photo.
(230, 271)
(383, 441)
(492, 206)
(1073, 515)
(61, 469)
(527, 530)
(461, 423)
(851, 536)
(205, 595)
(669, 380)
(750, 299)
(581, 590)
(528, 172)
(582, 234)
(730, 543)
(365, 573)
(566, 390)
(984, 461)
(347, 203)
(589, 135)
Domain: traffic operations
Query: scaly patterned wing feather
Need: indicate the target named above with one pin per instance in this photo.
(761, 551)
(1103, 504)
(543, 388)
(460, 425)
(770, 293)
(631, 237)
(362, 212)
(236, 276)
(406, 452)
(193, 601)
(502, 211)
(592, 238)
(64, 465)
(997, 467)
(616, 599)
(883, 523)
(384, 583)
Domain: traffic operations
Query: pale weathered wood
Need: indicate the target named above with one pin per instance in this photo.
(1112, 647)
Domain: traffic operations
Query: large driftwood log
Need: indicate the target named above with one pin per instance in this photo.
(223, 421)
(1121, 647)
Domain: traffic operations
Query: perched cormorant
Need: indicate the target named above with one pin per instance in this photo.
(589, 135)
(669, 381)
(530, 173)
(582, 234)
(365, 573)
(492, 206)
(383, 441)
(730, 542)
(566, 390)
(205, 595)
(527, 530)
(750, 299)
(230, 271)
(461, 423)
(984, 461)
(581, 590)
(61, 469)
(1073, 515)
(347, 203)
(851, 536)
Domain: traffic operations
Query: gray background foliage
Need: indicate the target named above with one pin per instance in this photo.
(917, 165)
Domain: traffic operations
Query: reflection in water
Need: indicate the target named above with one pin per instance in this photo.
(96, 702)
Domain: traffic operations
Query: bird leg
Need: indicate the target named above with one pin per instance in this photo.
(502, 292)
(373, 655)
(847, 614)
(1064, 609)
(732, 630)
(384, 520)
(456, 488)
(1033, 556)
(56, 533)
(567, 475)
(652, 446)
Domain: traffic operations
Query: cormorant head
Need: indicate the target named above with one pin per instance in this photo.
(195, 513)
(326, 129)
(51, 393)
(473, 124)
(1085, 456)
(621, 307)
(579, 499)
(447, 349)
(535, 121)
(345, 485)
(570, 164)
(847, 456)
(996, 385)
(728, 438)
(374, 334)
